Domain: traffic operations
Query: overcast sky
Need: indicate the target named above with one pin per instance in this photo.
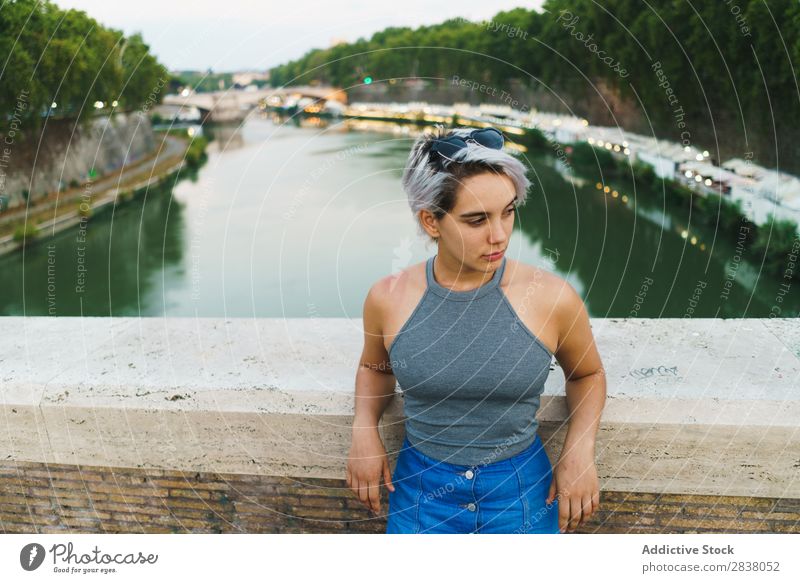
(257, 34)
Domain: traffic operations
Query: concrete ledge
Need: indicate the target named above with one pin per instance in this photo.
(701, 406)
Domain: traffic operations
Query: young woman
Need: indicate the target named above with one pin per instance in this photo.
(470, 335)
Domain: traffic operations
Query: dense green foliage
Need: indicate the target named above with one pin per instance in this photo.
(728, 61)
(64, 56)
(204, 81)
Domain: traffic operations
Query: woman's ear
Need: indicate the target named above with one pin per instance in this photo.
(429, 223)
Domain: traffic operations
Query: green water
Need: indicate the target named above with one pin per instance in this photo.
(299, 221)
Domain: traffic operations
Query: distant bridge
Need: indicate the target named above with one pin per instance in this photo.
(233, 104)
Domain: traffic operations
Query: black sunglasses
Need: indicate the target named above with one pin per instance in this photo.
(446, 147)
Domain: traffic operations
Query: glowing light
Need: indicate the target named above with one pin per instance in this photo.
(367, 80)
(614, 193)
(693, 240)
(705, 153)
(114, 103)
(600, 143)
(624, 198)
(599, 186)
(608, 145)
(607, 189)
(698, 178)
(686, 149)
(688, 174)
(98, 105)
(616, 148)
(707, 182)
(54, 105)
(699, 157)
(591, 140)
(626, 151)
(684, 234)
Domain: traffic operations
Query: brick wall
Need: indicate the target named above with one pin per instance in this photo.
(50, 498)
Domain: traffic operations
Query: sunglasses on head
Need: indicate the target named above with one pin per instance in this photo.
(446, 147)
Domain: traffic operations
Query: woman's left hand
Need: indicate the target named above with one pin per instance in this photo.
(575, 481)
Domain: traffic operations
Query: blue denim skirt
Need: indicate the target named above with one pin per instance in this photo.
(503, 497)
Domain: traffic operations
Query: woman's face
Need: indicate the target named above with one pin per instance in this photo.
(481, 221)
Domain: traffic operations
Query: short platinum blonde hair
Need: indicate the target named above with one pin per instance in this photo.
(432, 187)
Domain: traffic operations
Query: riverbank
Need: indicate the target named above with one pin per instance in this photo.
(773, 244)
(177, 150)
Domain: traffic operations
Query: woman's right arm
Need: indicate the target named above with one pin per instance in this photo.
(375, 384)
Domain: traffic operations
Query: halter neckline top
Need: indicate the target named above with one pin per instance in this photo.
(465, 295)
(471, 373)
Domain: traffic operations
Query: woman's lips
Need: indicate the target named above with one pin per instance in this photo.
(495, 256)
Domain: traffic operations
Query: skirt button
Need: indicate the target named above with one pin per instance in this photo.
(471, 507)
(469, 474)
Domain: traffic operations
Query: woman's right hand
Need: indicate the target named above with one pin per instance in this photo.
(366, 464)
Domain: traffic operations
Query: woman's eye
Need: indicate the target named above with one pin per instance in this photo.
(479, 221)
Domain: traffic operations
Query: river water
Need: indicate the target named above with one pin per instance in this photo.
(299, 219)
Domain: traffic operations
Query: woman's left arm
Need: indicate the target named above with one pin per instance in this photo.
(575, 475)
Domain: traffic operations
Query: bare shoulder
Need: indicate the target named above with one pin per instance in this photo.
(552, 292)
(525, 276)
(393, 286)
(547, 303)
(394, 289)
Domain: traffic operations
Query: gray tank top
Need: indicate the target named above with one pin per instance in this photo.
(471, 374)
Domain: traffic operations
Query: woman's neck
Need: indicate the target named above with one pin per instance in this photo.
(454, 275)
